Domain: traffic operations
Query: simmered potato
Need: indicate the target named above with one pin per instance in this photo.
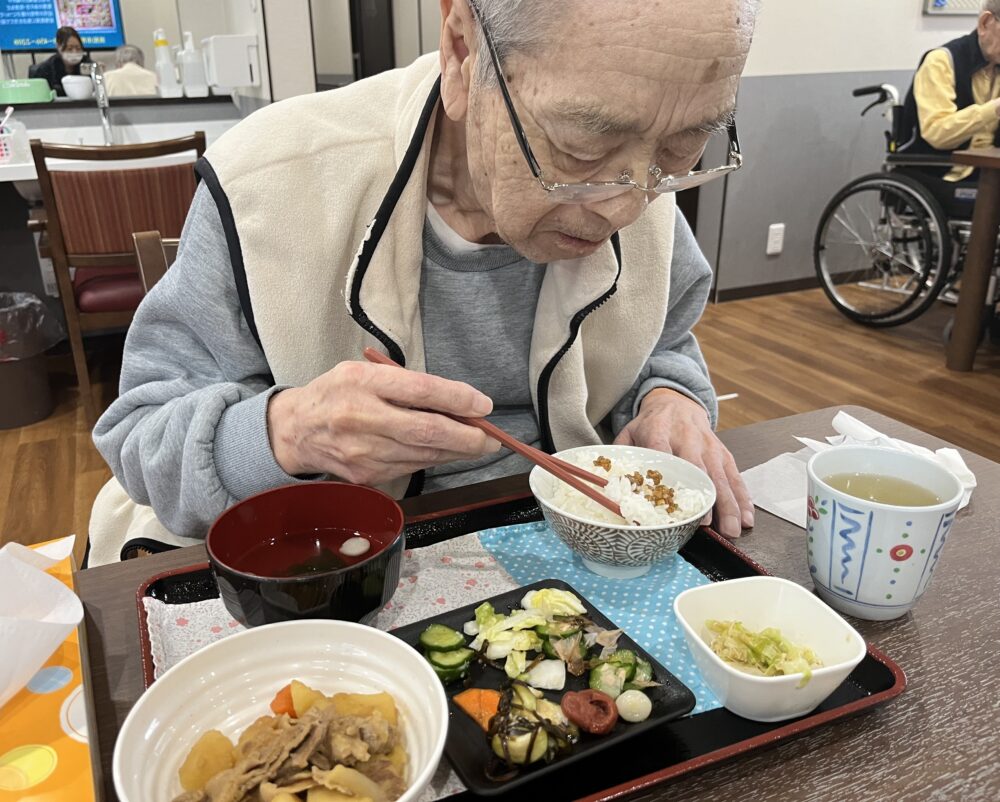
(349, 784)
(319, 794)
(323, 702)
(304, 697)
(398, 758)
(213, 752)
(362, 704)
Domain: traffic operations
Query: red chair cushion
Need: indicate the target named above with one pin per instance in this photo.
(103, 290)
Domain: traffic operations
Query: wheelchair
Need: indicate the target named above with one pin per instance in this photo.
(884, 248)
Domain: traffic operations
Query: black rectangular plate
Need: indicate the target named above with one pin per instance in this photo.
(467, 747)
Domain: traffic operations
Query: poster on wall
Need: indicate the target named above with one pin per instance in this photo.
(31, 25)
(969, 8)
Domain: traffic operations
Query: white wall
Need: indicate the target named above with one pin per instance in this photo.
(289, 48)
(202, 17)
(331, 21)
(430, 15)
(247, 17)
(807, 36)
(405, 14)
(142, 17)
(416, 28)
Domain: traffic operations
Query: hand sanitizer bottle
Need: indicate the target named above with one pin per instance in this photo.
(192, 68)
(166, 75)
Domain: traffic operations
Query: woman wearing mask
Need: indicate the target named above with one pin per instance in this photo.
(66, 61)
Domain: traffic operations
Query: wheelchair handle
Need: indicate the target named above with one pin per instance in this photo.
(887, 93)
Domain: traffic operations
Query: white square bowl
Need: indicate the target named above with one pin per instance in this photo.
(768, 601)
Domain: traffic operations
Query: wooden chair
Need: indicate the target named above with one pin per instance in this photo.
(153, 255)
(91, 215)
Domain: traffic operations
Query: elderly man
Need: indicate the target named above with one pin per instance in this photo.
(131, 77)
(496, 216)
(954, 103)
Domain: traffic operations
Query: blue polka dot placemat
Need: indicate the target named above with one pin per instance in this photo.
(643, 607)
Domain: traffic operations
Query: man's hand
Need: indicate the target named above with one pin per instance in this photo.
(670, 421)
(369, 424)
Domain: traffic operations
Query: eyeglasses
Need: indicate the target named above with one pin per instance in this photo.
(595, 191)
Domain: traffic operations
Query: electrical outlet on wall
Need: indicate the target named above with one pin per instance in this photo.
(775, 239)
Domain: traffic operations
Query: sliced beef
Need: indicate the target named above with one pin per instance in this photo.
(382, 771)
(281, 751)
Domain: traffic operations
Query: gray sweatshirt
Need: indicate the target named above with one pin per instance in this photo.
(188, 432)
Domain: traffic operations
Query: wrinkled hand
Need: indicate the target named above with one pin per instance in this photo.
(369, 424)
(672, 422)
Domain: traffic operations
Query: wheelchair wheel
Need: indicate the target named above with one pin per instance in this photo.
(883, 250)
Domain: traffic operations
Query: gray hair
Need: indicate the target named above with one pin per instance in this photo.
(520, 26)
(993, 6)
(515, 26)
(129, 54)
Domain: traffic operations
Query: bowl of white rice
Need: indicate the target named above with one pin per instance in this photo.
(663, 499)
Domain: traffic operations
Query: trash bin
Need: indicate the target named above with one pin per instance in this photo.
(27, 330)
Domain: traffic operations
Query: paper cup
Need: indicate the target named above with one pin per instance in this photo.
(873, 560)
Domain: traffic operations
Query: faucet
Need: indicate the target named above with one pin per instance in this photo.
(96, 71)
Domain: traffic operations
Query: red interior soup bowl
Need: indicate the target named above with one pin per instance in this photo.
(316, 550)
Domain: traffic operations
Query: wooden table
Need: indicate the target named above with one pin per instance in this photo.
(937, 741)
(979, 258)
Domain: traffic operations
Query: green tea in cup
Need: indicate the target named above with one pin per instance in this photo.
(883, 489)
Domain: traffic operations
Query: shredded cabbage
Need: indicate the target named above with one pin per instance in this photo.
(517, 662)
(552, 602)
(767, 653)
(486, 615)
(516, 629)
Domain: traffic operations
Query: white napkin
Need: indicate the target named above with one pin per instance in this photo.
(780, 485)
(37, 612)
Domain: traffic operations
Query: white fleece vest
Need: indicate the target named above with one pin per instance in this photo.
(309, 183)
(303, 206)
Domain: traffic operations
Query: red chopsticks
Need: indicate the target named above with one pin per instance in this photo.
(570, 474)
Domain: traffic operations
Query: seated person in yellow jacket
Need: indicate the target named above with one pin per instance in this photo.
(954, 103)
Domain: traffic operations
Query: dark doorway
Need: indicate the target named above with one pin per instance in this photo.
(371, 33)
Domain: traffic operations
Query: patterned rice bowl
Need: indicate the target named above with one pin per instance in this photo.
(624, 552)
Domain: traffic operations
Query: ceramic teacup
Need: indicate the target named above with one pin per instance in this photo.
(868, 559)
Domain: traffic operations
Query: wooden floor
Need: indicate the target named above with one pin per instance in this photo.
(782, 354)
(50, 472)
(793, 353)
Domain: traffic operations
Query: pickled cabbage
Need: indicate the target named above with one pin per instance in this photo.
(551, 602)
(766, 653)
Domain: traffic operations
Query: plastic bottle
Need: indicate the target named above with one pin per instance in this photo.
(166, 75)
(20, 146)
(192, 68)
